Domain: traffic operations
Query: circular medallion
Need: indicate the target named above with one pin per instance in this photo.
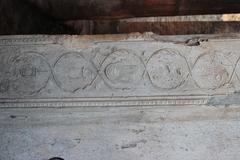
(122, 69)
(209, 71)
(30, 73)
(167, 69)
(73, 72)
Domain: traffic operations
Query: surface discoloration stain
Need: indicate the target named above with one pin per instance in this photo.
(231, 99)
(133, 144)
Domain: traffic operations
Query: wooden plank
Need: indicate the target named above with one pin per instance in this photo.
(179, 28)
(171, 25)
(166, 28)
(108, 9)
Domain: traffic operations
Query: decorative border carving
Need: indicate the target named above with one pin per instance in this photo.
(27, 40)
(105, 102)
(112, 75)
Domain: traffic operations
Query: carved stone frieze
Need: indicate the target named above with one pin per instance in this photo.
(67, 71)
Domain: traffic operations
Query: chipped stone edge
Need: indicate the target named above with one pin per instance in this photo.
(147, 36)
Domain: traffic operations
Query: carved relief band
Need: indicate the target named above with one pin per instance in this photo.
(57, 71)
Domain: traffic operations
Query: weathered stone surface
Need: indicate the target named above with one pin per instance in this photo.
(118, 97)
(135, 70)
(143, 133)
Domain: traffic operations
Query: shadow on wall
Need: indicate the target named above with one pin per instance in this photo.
(20, 17)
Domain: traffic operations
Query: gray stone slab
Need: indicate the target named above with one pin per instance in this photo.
(121, 133)
(124, 70)
(120, 97)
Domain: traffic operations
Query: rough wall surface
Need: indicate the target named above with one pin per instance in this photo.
(119, 97)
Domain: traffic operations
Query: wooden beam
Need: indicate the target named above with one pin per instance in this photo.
(17, 17)
(179, 28)
(117, 9)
